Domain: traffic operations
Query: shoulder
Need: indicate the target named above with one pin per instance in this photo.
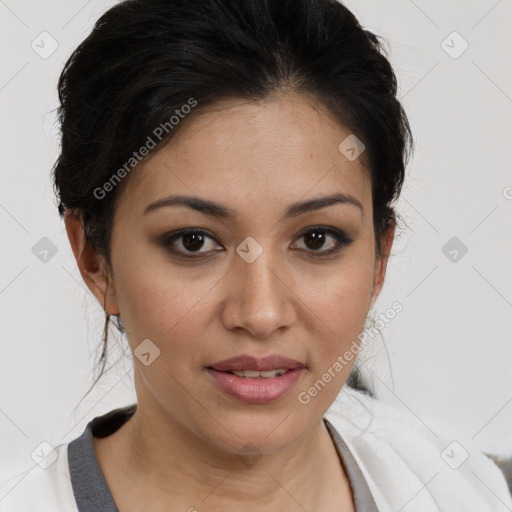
(44, 486)
(409, 466)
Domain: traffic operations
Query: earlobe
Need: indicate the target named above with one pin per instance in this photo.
(91, 264)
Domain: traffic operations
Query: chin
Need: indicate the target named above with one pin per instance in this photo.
(252, 431)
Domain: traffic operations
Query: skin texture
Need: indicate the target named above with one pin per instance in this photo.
(182, 446)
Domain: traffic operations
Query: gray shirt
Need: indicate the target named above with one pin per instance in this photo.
(93, 495)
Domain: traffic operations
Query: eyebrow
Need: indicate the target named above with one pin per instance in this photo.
(217, 210)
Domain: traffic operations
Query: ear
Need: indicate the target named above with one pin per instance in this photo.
(91, 264)
(381, 262)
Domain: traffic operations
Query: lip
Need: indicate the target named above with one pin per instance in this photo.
(256, 390)
(247, 362)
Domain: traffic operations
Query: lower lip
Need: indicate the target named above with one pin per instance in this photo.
(256, 390)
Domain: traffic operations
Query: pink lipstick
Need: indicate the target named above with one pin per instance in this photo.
(256, 380)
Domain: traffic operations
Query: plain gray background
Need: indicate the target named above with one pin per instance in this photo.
(446, 357)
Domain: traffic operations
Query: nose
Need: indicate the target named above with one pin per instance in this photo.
(259, 299)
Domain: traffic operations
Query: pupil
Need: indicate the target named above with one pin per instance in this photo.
(317, 240)
(196, 240)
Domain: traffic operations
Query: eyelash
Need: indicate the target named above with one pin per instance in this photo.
(339, 236)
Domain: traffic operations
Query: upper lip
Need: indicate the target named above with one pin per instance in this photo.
(247, 362)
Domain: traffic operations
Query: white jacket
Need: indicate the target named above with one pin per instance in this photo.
(407, 467)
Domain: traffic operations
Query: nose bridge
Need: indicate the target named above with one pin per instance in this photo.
(259, 300)
(259, 279)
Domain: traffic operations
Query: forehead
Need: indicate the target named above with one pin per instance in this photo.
(284, 147)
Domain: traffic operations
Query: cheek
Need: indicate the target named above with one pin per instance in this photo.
(338, 303)
(165, 303)
(342, 292)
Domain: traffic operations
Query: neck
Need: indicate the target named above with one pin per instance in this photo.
(163, 462)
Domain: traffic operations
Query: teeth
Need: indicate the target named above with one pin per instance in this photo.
(269, 374)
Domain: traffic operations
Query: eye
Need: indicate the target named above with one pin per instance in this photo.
(317, 237)
(188, 242)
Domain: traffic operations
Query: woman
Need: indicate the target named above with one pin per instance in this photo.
(227, 177)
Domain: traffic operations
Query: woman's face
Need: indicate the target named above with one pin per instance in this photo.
(259, 282)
